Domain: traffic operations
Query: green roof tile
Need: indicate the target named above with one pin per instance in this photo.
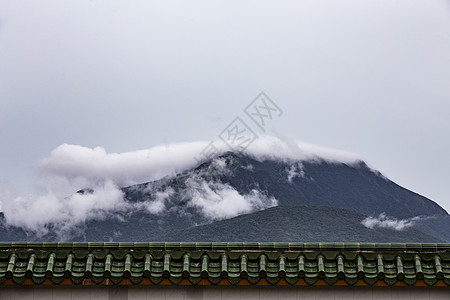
(233, 262)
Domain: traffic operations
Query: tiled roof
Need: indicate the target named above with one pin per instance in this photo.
(224, 264)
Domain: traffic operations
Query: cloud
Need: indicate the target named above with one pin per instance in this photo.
(76, 163)
(50, 212)
(296, 170)
(41, 213)
(158, 205)
(384, 221)
(83, 165)
(55, 206)
(205, 193)
(221, 201)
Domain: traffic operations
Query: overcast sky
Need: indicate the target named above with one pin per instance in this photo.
(369, 77)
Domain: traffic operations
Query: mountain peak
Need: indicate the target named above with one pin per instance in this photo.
(273, 174)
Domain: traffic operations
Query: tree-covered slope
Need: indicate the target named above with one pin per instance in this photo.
(297, 224)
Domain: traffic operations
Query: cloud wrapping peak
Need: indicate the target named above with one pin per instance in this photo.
(87, 166)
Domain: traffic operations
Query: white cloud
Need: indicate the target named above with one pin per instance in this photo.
(92, 165)
(295, 170)
(213, 199)
(76, 162)
(69, 168)
(384, 221)
(328, 154)
(281, 148)
(158, 205)
(220, 201)
(40, 213)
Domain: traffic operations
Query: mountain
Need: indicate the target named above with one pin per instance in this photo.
(297, 224)
(282, 224)
(351, 186)
(238, 197)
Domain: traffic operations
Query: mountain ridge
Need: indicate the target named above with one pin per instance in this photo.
(234, 184)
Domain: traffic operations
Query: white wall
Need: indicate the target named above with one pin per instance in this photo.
(200, 293)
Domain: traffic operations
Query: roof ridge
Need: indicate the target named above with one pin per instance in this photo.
(230, 246)
(216, 267)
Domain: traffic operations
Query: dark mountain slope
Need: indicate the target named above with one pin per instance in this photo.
(297, 224)
(351, 186)
(438, 226)
(355, 187)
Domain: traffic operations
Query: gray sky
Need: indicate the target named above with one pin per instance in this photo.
(369, 77)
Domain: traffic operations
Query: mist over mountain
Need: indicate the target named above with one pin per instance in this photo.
(240, 196)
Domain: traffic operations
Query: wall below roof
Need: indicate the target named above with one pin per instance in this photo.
(229, 292)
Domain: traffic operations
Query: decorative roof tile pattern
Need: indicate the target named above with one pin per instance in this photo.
(224, 263)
